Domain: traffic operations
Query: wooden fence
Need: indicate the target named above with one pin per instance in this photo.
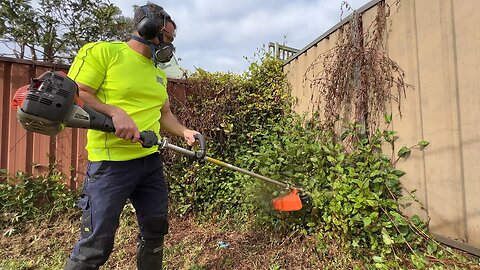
(31, 152)
(436, 44)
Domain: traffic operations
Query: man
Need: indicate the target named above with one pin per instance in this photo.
(120, 80)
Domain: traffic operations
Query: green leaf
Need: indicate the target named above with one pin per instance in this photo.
(388, 118)
(431, 248)
(355, 243)
(389, 135)
(375, 173)
(373, 203)
(419, 262)
(377, 259)
(422, 144)
(386, 238)
(404, 152)
(366, 221)
(339, 169)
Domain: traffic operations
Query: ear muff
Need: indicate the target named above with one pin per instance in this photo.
(148, 27)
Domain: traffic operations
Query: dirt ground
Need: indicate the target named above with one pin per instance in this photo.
(45, 245)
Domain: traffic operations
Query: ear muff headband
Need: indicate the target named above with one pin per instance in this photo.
(148, 27)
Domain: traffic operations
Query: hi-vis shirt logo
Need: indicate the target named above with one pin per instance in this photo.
(160, 80)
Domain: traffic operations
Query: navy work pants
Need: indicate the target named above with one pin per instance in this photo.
(107, 186)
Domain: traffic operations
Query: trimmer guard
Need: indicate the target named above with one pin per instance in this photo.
(289, 202)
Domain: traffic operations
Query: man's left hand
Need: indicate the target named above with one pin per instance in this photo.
(188, 135)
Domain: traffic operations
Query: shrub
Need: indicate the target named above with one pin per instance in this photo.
(26, 197)
(236, 113)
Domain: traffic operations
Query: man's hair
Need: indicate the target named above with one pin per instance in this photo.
(139, 14)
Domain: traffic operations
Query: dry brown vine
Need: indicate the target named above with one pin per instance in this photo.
(357, 78)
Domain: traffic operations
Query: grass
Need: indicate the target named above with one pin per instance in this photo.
(45, 244)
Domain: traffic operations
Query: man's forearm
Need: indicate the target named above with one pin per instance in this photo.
(170, 123)
(91, 101)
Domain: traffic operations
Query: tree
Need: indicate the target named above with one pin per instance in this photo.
(56, 29)
(17, 25)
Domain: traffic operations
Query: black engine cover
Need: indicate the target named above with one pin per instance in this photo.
(50, 96)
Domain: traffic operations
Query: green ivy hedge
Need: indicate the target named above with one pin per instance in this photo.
(248, 121)
(237, 114)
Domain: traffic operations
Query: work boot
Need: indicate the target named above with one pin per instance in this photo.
(73, 265)
(150, 254)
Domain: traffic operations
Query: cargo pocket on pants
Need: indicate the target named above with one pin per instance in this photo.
(95, 170)
(86, 222)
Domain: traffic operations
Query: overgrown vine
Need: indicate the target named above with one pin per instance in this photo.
(356, 80)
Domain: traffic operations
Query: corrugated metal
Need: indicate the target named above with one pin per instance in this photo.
(31, 152)
(436, 44)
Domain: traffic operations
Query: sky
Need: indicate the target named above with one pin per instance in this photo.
(217, 35)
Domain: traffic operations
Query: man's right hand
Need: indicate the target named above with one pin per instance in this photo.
(125, 127)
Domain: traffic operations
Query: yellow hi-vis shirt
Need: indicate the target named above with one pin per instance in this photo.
(125, 79)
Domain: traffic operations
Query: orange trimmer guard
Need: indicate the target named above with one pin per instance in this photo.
(289, 202)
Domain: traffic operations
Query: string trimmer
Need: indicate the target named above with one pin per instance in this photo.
(51, 103)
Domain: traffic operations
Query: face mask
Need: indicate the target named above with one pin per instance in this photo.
(163, 52)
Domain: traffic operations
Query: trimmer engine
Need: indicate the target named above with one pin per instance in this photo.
(51, 103)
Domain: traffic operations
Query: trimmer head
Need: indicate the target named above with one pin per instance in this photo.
(293, 201)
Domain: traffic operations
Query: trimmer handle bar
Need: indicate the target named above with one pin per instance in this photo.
(148, 139)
